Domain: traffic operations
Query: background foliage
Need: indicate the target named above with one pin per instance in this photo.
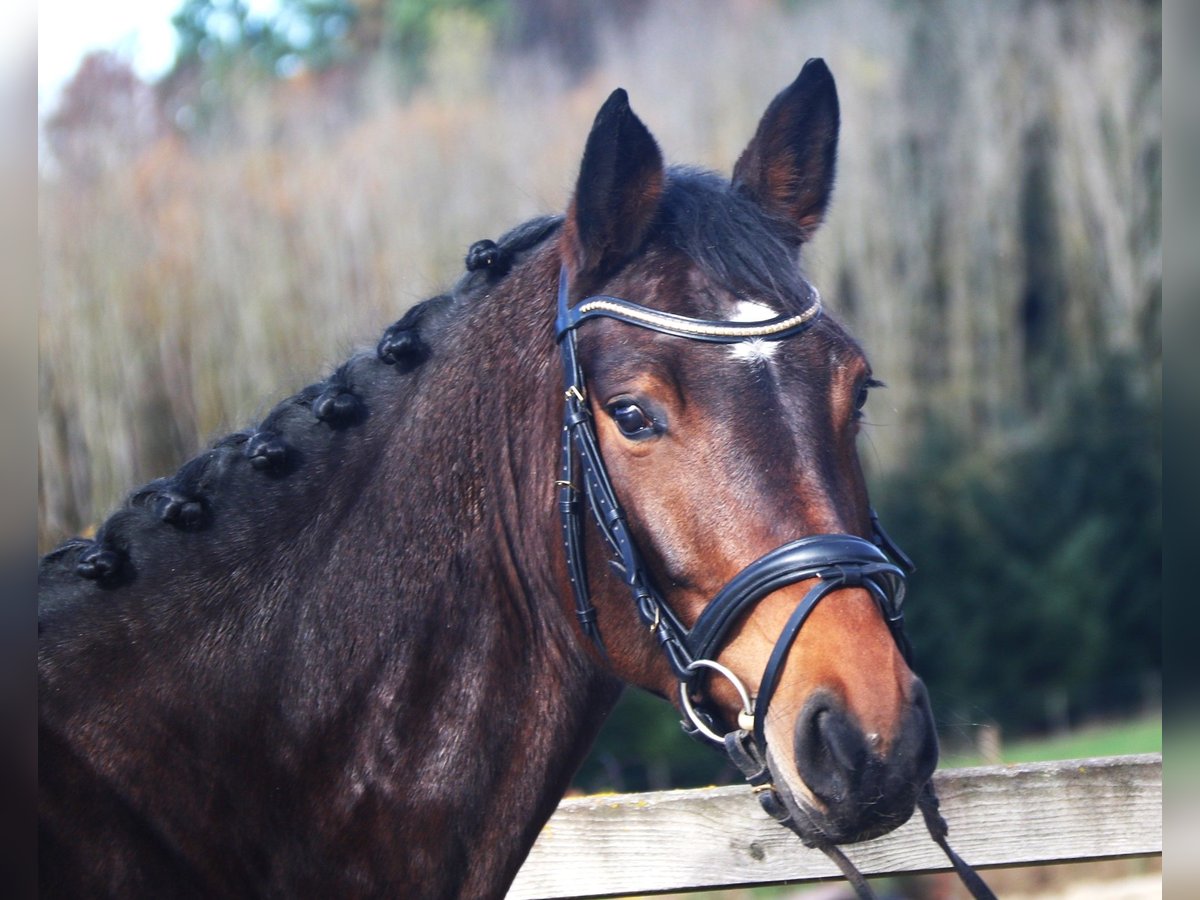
(210, 241)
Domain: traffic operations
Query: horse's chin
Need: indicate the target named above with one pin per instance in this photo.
(849, 823)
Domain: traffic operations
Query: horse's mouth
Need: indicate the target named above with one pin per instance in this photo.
(845, 819)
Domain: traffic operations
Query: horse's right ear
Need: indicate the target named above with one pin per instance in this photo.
(619, 189)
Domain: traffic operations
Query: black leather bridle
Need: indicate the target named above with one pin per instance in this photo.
(836, 561)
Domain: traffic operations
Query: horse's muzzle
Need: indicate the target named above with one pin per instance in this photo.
(858, 791)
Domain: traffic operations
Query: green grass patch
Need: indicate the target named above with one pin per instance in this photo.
(1142, 735)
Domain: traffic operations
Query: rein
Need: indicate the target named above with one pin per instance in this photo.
(836, 560)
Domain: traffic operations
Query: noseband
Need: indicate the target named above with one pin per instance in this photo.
(836, 561)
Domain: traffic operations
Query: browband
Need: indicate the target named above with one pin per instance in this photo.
(717, 331)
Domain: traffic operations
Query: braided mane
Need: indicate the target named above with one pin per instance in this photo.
(236, 490)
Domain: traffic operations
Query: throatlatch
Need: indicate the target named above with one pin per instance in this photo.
(836, 561)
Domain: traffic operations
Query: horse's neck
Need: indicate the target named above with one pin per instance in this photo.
(482, 702)
(406, 710)
(460, 732)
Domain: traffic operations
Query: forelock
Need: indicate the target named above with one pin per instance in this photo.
(730, 238)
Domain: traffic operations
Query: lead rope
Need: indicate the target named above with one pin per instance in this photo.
(851, 874)
(928, 803)
(938, 829)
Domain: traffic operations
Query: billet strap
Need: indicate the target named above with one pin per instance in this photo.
(596, 489)
(569, 500)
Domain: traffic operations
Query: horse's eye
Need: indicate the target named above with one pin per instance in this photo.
(861, 400)
(864, 390)
(633, 422)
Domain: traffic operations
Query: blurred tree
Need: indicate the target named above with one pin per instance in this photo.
(314, 35)
(227, 52)
(106, 116)
(1040, 562)
(412, 27)
(220, 34)
(568, 31)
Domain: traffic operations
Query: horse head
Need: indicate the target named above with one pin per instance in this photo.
(724, 409)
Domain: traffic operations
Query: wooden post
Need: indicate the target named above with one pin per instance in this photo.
(987, 743)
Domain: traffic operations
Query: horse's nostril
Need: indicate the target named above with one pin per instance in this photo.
(846, 742)
(830, 750)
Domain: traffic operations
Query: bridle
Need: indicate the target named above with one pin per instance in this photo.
(836, 561)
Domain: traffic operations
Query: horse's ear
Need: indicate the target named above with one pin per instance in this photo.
(788, 167)
(618, 192)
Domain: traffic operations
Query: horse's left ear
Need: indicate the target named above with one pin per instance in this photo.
(618, 192)
(788, 167)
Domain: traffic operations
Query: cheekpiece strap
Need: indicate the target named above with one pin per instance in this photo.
(583, 480)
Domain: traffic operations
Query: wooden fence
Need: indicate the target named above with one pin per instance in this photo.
(719, 837)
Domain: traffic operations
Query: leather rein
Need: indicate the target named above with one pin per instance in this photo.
(836, 561)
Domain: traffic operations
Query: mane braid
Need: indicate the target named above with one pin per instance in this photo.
(488, 261)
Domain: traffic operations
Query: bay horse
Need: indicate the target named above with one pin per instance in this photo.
(360, 648)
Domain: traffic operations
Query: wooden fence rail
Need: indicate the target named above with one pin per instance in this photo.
(719, 837)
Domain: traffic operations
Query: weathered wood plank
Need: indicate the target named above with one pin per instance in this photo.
(719, 837)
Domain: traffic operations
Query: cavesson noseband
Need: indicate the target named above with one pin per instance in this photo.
(836, 560)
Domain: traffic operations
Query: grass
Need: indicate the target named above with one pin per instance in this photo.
(1141, 735)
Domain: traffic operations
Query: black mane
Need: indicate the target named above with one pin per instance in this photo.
(237, 490)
